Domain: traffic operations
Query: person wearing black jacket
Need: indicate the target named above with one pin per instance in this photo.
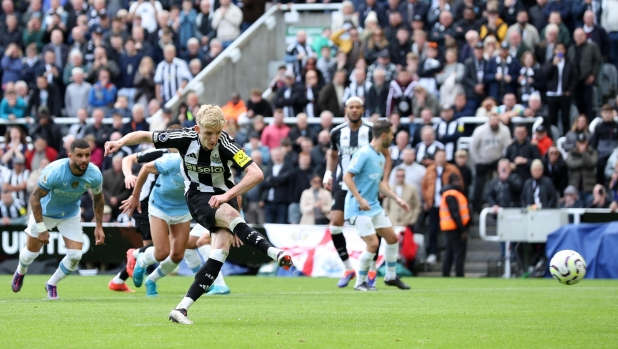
(521, 153)
(604, 139)
(538, 191)
(505, 190)
(46, 128)
(53, 101)
(377, 94)
(474, 69)
(299, 180)
(256, 105)
(101, 132)
(275, 195)
(299, 131)
(291, 97)
(561, 79)
(555, 169)
(456, 239)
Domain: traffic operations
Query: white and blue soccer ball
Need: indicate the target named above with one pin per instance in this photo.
(568, 267)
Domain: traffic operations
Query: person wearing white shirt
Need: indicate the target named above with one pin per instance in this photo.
(147, 10)
(413, 170)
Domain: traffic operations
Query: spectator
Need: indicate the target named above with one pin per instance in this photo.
(214, 49)
(383, 62)
(128, 63)
(11, 65)
(291, 97)
(571, 199)
(14, 181)
(555, 168)
(345, 17)
(326, 64)
(78, 130)
(610, 10)
(138, 122)
(501, 73)
(448, 131)
(146, 10)
(203, 25)
(253, 204)
(33, 179)
(315, 203)
(454, 219)
(599, 198)
(537, 14)
(444, 30)
(31, 65)
(521, 153)
(40, 151)
(254, 144)
(587, 58)
(375, 44)
(297, 54)
(530, 77)
(193, 52)
(77, 41)
(450, 78)
(141, 45)
(12, 107)
(298, 180)
(509, 109)
(300, 131)
(377, 95)
(76, 60)
(582, 165)
(121, 107)
(490, 46)
(461, 161)
(234, 108)
(274, 133)
(114, 189)
(12, 32)
(580, 125)
(172, 75)
(312, 92)
(358, 86)
(187, 28)
(60, 49)
(541, 140)
(504, 191)
(318, 152)
(435, 178)
(424, 100)
(101, 61)
(400, 48)
(226, 21)
(400, 93)
(495, 26)
(420, 45)
(12, 210)
(462, 107)
(258, 106)
(563, 32)
(545, 49)
(402, 142)
(408, 193)
(33, 33)
(538, 192)
(596, 33)
(428, 68)
(276, 194)
(16, 146)
(50, 70)
(428, 146)
(465, 33)
(331, 96)
(561, 79)
(489, 142)
(97, 129)
(529, 34)
(46, 128)
(473, 82)
(103, 93)
(415, 129)
(145, 87)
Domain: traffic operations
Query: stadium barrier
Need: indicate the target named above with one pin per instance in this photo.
(534, 226)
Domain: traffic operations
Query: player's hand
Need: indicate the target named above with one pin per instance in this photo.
(99, 236)
(328, 185)
(130, 204)
(129, 182)
(364, 205)
(236, 242)
(403, 205)
(218, 200)
(44, 237)
(112, 147)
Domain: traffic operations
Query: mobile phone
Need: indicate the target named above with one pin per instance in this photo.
(560, 55)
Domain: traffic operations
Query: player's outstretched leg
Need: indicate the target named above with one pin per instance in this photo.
(26, 257)
(68, 264)
(256, 240)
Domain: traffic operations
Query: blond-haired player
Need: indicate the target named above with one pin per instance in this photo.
(208, 153)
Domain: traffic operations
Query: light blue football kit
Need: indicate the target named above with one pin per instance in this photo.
(367, 165)
(168, 193)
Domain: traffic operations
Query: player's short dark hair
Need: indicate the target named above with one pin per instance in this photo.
(381, 127)
(80, 144)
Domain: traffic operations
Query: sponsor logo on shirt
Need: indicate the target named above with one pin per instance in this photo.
(204, 169)
(347, 150)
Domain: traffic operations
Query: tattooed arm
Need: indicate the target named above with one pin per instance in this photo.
(99, 203)
(37, 212)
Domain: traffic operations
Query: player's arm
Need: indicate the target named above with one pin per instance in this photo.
(98, 202)
(132, 202)
(138, 158)
(132, 138)
(37, 212)
(332, 158)
(348, 179)
(386, 190)
(388, 164)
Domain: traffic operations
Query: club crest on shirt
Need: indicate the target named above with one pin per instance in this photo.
(215, 158)
(74, 184)
(163, 137)
(44, 178)
(87, 186)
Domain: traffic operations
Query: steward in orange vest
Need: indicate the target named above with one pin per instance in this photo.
(454, 219)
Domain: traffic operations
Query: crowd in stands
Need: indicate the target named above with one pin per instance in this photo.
(502, 61)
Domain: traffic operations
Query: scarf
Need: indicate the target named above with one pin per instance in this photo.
(309, 108)
(526, 88)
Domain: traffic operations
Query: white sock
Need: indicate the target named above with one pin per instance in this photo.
(164, 268)
(219, 281)
(135, 253)
(148, 258)
(67, 265)
(273, 252)
(26, 257)
(363, 266)
(204, 251)
(193, 259)
(348, 265)
(185, 303)
(117, 280)
(372, 266)
(390, 255)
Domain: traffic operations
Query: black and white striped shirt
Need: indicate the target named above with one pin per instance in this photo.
(15, 210)
(207, 171)
(12, 178)
(170, 76)
(426, 151)
(346, 142)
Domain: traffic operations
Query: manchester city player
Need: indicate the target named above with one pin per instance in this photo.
(362, 208)
(55, 204)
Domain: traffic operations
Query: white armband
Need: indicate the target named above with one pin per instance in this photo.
(40, 227)
(328, 175)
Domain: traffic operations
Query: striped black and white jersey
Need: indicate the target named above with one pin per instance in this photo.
(207, 171)
(346, 142)
(171, 76)
(13, 178)
(12, 211)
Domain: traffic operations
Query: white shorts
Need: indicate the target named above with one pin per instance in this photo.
(170, 220)
(367, 225)
(198, 231)
(70, 228)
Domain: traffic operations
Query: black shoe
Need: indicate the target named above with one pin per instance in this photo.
(362, 287)
(397, 282)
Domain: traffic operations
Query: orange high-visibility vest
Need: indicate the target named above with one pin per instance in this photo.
(446, 221)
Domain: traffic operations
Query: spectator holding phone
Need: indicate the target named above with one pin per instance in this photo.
(599, 198)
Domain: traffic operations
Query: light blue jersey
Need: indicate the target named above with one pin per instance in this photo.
(367, 165)
(66, 189)
(168, 194)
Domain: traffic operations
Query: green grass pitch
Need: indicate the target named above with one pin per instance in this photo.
(314, 313)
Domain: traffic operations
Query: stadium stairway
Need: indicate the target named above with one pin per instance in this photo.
(482, 256)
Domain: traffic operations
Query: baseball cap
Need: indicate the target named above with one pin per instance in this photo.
(570, 190)
(541, 129)
(479, 45)
(581, 137)
(17, 160)
(384, 54)
(504, 45)
(447, 106)
(417, 18)
(166, 110)
(433, 44)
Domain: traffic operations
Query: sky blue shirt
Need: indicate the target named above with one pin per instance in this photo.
(66, 189)
(168, 194)
(367, 165)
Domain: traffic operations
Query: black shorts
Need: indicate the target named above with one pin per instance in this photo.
(142, 223)
(338, 199)
(201, 211)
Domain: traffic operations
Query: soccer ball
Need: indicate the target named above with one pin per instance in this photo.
(568, 267)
